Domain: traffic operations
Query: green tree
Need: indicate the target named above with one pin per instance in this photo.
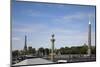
(46, 50)
(41, 51)
(74, 50)
(34, 51)
(83, 50)
(29, 50)
(93, 48)
(15, 53)
(62, 50)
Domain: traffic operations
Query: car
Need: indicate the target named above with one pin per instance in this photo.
(62, 61)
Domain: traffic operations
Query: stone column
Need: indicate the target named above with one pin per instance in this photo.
(52, 47)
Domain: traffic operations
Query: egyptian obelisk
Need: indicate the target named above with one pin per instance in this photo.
(89, 39)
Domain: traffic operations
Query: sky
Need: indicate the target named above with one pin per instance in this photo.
(38, 21)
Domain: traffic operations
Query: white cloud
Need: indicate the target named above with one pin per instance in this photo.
(30, 28)
(16, 38)
(76, 16)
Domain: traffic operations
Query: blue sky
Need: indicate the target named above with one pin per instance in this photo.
(39, 21)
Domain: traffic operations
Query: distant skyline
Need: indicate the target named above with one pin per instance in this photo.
(38, 21)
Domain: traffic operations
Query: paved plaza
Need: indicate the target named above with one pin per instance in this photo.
(33, 61)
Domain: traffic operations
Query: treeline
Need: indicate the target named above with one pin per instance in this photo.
(77, 50)
(46, 51)
(31, 51)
